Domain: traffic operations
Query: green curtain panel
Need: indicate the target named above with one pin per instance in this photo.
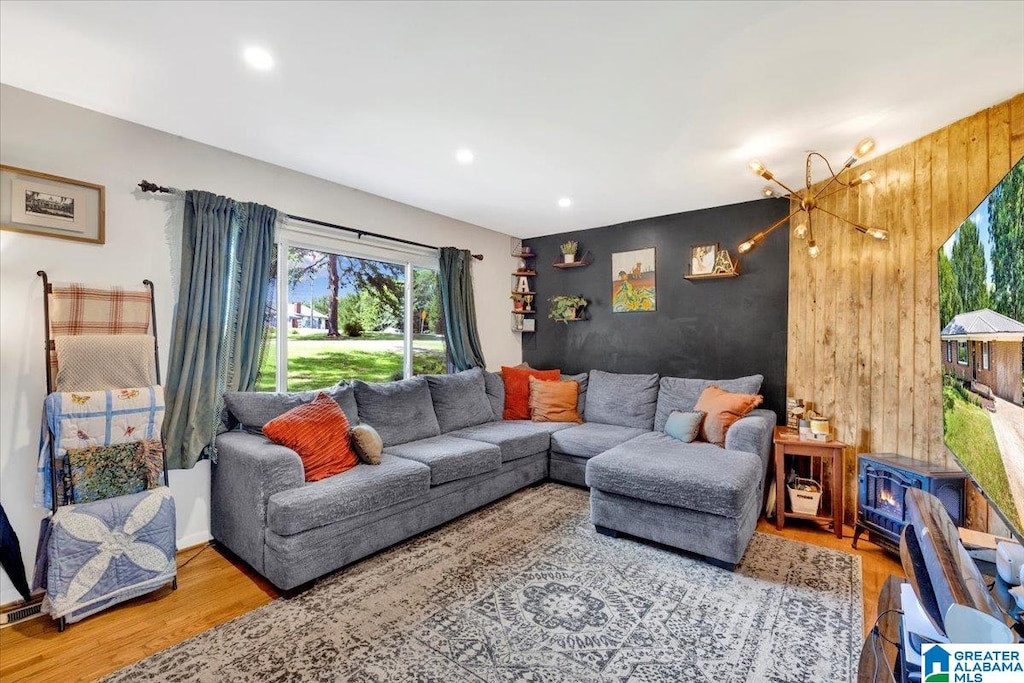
(459, 312)
(226, 250)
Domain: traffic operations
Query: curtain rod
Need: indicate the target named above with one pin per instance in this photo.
(147, 186)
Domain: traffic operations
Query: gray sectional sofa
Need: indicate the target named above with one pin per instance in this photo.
(447, 451)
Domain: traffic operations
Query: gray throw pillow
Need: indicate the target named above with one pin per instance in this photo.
(460, 400)
(253, 409)
(583, 379)
(495, 387)
(400, 411)
(684, 426)
(681, 393)
(622, 400)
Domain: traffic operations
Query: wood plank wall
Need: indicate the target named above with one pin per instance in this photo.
(864, 316)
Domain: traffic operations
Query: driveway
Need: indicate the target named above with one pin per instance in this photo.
(1008, 424)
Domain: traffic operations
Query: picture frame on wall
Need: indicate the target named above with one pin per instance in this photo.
(38, 203)
(703, 258)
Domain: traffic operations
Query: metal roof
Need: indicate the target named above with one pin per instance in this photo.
(983, 323)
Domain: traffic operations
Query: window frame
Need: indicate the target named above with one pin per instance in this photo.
(962, 345)
(985, 351)
(291, 235)
(949, 351)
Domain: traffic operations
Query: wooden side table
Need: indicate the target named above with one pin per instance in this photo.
(788, 443)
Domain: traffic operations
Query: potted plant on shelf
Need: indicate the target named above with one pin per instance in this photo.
(517, 302)
(565, 308)
(569, 251)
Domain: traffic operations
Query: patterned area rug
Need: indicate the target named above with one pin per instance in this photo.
(525, 590)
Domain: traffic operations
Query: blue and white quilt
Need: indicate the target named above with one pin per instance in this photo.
(80, 419)
(101, 553)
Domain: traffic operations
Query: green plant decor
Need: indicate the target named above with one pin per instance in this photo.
(565, 307)
(569, 248)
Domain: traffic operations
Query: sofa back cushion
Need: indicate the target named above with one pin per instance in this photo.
(254, 409)
(495, 387)
(582, 379)
(318, 432)
(681, 393)
(400, 411)
(623, 400)
(460, 400)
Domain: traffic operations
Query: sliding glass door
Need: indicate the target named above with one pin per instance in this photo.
(338, 316)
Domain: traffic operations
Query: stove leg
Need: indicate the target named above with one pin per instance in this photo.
(857, 530)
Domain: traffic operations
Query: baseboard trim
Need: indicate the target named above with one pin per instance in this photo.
(193, 540)
(16, 612)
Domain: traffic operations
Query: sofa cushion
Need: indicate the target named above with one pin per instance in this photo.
(318, 432)
(589, 439)
(400, 411)
(460, 399)
(367, 443)
(554, 401)
(362, 489)
(449, 457)
(517, 389)
(698, 476)
(583, 379)
(495, 387)
(681, 393)
(515, 439)
(253, 409)
(545, 427)
(722, 409)
(684, 426)
(624, 400)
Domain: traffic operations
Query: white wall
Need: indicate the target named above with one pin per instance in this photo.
(42, 134)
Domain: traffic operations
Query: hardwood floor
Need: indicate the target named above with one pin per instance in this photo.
(214, 587)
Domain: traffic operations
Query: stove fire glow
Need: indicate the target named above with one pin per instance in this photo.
(888, 502)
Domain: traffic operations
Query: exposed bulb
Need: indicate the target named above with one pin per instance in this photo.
(813, 249)
(746, 246)
(864, 177)
(878, 233)
(800, 231)
(863, 148)
(756, 167)
(768, 191)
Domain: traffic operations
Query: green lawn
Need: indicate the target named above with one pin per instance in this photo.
(314, 361)
(968, 431)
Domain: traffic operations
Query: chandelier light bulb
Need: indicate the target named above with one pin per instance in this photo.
(800, 231)
(757, 167)
(863, 148)
(878, 233)
(746, 246)
(864, 177)
(768, 191)
(813, 249)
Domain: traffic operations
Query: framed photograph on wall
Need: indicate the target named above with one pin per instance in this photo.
(702, 258)
(634, 284)
(52, 206)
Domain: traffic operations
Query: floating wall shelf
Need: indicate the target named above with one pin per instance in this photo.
(711, 276)
(581, 262)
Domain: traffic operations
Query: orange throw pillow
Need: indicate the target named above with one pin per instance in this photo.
(517, 389)
(554, 401)
(318, 432)
(722, 408)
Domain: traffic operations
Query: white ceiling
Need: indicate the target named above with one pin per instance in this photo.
(632, 109)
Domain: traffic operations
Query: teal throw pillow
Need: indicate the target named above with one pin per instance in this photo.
(684, 426)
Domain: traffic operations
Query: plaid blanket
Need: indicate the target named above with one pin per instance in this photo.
(94, 418)
(77, 309)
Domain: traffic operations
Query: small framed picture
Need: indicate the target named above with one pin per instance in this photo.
(702, 259)
(53, 206)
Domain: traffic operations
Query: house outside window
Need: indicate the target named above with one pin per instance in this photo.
(961, 353)
(949, 351)
(984, 355)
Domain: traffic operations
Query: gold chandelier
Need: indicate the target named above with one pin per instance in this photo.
(810, 201)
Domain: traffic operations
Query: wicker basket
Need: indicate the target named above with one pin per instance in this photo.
(805, 502)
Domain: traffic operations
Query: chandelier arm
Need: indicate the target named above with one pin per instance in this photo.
(830, 194)
(833, 179)
(767, 231)
(785, 187)
(859, 227)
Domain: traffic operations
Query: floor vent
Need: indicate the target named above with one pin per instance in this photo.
(20, 614)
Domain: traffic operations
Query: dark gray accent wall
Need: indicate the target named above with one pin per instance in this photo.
(713, 329)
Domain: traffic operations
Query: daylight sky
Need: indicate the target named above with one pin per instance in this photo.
(981, 219)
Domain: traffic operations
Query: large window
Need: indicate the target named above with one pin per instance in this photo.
(337, 315)
(984, 355)
(961, 353)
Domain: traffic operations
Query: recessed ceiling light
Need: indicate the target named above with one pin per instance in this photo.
(565, 202)
(258, 58)
(464, 156)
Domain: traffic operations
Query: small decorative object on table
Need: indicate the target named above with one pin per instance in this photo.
(794, 412)
(703, 258)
